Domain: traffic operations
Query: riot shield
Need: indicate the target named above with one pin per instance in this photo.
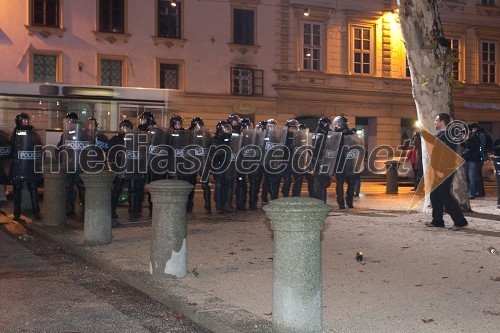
(354, 155)
(235, 145)
(274, 146)
(302, 151)
(77, 140)
(250, 156)
(181, 165)
(201, 145)
(4, 155)
(329, 152)
(136, 148)
(159, 150)
(27, 157)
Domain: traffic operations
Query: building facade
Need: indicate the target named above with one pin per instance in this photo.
(113, 59)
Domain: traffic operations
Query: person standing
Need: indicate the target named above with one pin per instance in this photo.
(440, 196)
(471, 153)
(24, 156)
(321, 181)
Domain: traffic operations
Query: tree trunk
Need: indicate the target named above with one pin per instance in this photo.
(430, 60)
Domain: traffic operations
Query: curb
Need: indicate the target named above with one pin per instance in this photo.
(212, 313)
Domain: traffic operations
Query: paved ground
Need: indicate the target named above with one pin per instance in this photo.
(412, 279)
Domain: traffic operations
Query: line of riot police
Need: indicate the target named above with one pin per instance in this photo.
(238, 156)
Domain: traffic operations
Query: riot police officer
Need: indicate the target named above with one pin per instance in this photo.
(220, 161)
(116, 156)
(26, 153)
(292, 127)
(344, 172)
(321, 180)
(255, 177)
(237, 180)
(201, 139)
(241, 188)
(75, 138)
(100, 139)
(272, 176)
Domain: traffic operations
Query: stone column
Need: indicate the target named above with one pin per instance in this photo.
(297, 295)
(496, 162)
(391, 177)
(97, 220)
(169, 230)
(54, 196)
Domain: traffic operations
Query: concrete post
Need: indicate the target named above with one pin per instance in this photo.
(169, 230)
(54, 197)
(97, 220)
(297, 295)
(496, 162)
(391, 177)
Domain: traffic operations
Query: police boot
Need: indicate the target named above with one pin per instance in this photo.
(34, 201)
(206, 197)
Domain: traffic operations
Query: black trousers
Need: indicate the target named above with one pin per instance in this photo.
(241, 191)
(73, 179)
(254, 179)
(441, 198)
(18, 195)
(321, 183)
(135, 195)
(339, 189)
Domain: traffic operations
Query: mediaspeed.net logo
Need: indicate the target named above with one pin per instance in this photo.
(443, 160)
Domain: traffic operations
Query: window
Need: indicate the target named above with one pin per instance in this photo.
(169, 76)
(488, 2)
(243, 26)
(45, 67)
(455, 49)
(407, 71)
(169, 19)
(362, 50)
(312, 47)
(45, 13)
(247, 81)
(488, 63)
(112, 71)
(111, 16)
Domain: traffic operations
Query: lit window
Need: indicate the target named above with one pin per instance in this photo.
(44, 68)
(111, 72)
(312, 47)
(169, 76)
(112, 16)
(169, 19)
(247, 81)
(488, 62)
(45, 13)
(362, 50)
(243, 26)
(455, 49)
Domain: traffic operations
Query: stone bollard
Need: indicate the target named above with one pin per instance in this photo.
(391, 177)
(97, 220)
(496, 163)
(297, 295)
(54, 198)
(169, 230)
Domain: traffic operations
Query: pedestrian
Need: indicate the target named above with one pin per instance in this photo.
(415, 156)
(471, 153)
(440, 196)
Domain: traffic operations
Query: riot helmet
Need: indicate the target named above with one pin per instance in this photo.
(323, 125)
(340, 123)
(292, 124)
(22, 119)
(235, 122)
(96, 123)
(196, 124)
(146, 119)
(301, 127)
(72, 115)
(246, 123)
(223, 129)
(125, 126)
(262, 125)
(176, 122)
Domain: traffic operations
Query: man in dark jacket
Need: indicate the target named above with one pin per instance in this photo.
(440, 196)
